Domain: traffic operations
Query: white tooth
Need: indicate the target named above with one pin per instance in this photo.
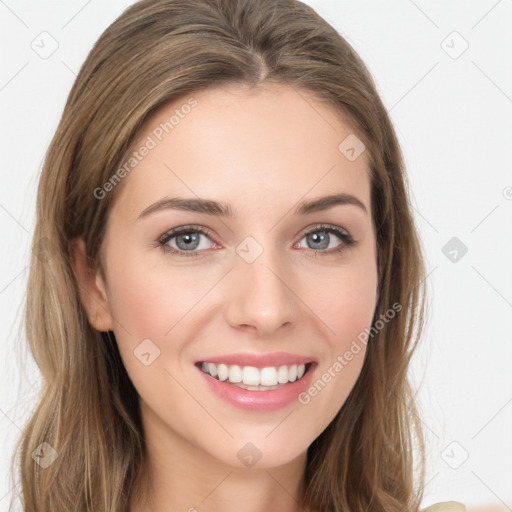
(251, 376)
(222, 371)
(282, 375)
(212, 369)
(269, 376)
(235, 373)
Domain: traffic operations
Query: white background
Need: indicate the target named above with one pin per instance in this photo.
(453, 117)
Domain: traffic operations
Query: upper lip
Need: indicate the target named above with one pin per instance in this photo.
(259, 360)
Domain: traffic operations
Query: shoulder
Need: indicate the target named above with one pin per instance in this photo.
(446, 506)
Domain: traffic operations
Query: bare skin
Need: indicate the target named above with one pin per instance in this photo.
(263, 152)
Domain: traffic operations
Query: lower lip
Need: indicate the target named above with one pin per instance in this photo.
(259, 400)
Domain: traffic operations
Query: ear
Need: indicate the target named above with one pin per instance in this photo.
(91, 287)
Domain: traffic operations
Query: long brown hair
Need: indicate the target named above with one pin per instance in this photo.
(88, 410)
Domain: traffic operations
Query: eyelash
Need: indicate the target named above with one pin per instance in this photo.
(342, 234)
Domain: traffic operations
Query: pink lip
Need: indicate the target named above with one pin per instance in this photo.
(259, 400)
(259, 360)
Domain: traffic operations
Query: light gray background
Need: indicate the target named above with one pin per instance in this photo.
(453, 116)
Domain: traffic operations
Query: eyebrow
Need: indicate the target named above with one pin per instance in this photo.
(211, 207)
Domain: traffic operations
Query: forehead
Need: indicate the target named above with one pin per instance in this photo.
(269, 144)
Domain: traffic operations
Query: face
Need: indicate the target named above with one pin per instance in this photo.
(248, 271)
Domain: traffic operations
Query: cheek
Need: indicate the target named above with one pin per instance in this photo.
(148, 300)
(348, 308)
(344, 298)
(345, 307)
(153, 302)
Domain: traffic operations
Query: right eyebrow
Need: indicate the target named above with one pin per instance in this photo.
(189, 204)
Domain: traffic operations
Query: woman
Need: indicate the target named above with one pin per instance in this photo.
(229, 286)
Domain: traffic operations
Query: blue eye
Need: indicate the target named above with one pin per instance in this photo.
(193, 240)
(184, 241)
(321, 238)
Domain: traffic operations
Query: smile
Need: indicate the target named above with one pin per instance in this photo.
(255, 379)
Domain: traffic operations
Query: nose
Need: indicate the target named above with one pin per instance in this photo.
(261, 296)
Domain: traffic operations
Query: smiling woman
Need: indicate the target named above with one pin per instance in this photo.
(233, 291)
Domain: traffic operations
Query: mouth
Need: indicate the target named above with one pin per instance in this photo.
(252, 378)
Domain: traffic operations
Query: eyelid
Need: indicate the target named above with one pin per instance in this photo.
(185, 229)
(321, 226)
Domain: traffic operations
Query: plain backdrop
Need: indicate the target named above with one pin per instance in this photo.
(443, 69)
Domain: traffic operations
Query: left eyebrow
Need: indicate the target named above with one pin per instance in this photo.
(326, 202)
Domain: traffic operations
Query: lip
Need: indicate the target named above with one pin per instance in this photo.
(258, 400)
(259, 360)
